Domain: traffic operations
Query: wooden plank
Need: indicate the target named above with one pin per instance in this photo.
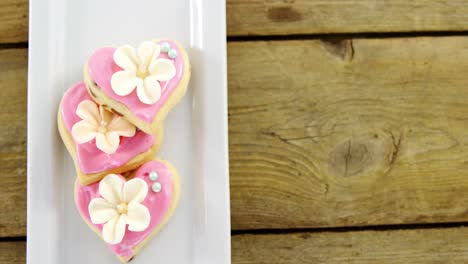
(404, 246)
(279, 17)
(426, 246)
(260, 17)
(13, 21)
(348, 133)
(12, 252)
(13, 142)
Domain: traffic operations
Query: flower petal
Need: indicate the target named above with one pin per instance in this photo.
(108, 142)
(83, 131)
(114, 230)
(110, 188)
(146, 52)
(138, 217)
(126, 58)
(101, 211)
(135, 190)
(124, 82)
(162, 69)
(150, 90)
(121, 127)
(88, 110)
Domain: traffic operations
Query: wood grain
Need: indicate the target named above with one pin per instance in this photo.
(278, 17)
(448, 245)
(12, 252)
(13, 142)
(348, 132)
(13, 21)
(405, 246)
(287, 17)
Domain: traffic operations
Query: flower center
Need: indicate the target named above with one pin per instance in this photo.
(142, 71)
(122, 208)
(102, 127)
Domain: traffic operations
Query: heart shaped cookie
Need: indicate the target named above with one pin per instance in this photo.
(128, 213)
(142, 85)
(99, 141)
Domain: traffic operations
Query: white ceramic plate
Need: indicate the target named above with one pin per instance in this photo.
(62, 36)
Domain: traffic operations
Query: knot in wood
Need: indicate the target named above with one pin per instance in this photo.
(351, 158)
(368, 154)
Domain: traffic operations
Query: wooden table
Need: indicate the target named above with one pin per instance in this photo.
(348, 125)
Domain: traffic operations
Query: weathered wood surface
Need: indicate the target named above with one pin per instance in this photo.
(286, 17)
(13, 21)
(348, 133)
(448, 245)
(424, 246)
(12, 252)
(278, 17)
(13, 142)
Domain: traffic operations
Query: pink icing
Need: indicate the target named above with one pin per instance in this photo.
(101, 67)
(157, 204)
(91, 159)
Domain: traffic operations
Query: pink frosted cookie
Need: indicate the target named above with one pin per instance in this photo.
(128, 213)
(142, 85)
(99, 141)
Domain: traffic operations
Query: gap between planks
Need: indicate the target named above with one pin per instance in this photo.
(421, 226)
(358, 35)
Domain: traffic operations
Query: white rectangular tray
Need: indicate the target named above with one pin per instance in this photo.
(62, 36)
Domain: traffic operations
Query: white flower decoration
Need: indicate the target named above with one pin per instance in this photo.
(120, 205)
(143, 70)
(101, 124)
